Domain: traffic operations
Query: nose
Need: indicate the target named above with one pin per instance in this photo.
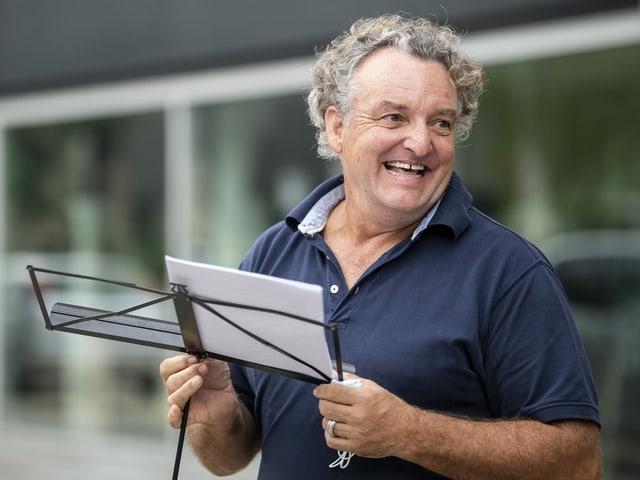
(418, 139)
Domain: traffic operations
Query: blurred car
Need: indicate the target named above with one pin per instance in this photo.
(600, 271)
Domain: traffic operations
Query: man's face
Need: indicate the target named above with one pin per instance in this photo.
(397, 143)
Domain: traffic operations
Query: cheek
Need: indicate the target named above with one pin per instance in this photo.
(374, 143)
(367, 145)
(445, 150)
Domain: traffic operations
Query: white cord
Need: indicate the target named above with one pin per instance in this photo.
(343, 460)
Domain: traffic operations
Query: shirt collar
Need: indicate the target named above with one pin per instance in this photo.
(310, 216)
(316, 219)
(454, 210)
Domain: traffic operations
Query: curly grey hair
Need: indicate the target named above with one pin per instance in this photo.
(336, 65)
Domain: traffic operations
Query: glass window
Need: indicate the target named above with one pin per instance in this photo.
(85, 198)
(254, 161)
(555, 146)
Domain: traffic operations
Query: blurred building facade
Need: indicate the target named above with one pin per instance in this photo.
(133, 129)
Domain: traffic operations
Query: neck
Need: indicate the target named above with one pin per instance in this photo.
(356, 226)
(358, 242)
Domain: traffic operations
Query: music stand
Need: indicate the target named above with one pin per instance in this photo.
(195, 315)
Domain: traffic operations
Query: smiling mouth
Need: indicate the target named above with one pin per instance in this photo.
(405, 169)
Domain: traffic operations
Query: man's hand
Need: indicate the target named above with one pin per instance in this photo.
(369, 419)
(206, 382)
(221, 430)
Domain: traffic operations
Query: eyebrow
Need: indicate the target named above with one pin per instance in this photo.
(387, 104)
(447, 112)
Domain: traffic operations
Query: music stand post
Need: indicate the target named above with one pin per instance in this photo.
(193, 345)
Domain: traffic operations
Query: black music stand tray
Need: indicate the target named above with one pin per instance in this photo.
(183, 336)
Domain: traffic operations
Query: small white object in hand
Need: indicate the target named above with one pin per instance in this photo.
(343, 457)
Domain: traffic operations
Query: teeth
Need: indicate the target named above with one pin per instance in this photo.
(405, 166)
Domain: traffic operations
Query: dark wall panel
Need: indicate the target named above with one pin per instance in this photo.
(54, 43)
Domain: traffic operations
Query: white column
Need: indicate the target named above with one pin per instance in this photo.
(178, 175)
(3, 263)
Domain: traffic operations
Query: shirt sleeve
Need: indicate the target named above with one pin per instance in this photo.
(537, 367)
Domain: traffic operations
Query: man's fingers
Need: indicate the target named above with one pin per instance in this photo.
(177, 379)
(172, 365)
(188, 388)
(175, 416)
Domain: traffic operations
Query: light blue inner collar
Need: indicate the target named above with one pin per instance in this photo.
(316, 219)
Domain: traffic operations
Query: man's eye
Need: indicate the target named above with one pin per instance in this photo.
(392, 118)
(443, 126)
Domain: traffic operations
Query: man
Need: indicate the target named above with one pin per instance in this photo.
(469, 360)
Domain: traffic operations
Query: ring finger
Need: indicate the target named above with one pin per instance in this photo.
(330, 426)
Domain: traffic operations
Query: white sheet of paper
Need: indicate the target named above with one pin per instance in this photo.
(304, 340)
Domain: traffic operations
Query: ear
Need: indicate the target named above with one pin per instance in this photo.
(334, 124)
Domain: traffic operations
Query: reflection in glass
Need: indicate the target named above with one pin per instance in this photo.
(254, 161)
(84, 197)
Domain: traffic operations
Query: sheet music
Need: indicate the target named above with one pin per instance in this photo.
(304, 340)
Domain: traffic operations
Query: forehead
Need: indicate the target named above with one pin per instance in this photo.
(397, 73)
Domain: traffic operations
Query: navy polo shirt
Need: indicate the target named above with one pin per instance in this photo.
(464, 317)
